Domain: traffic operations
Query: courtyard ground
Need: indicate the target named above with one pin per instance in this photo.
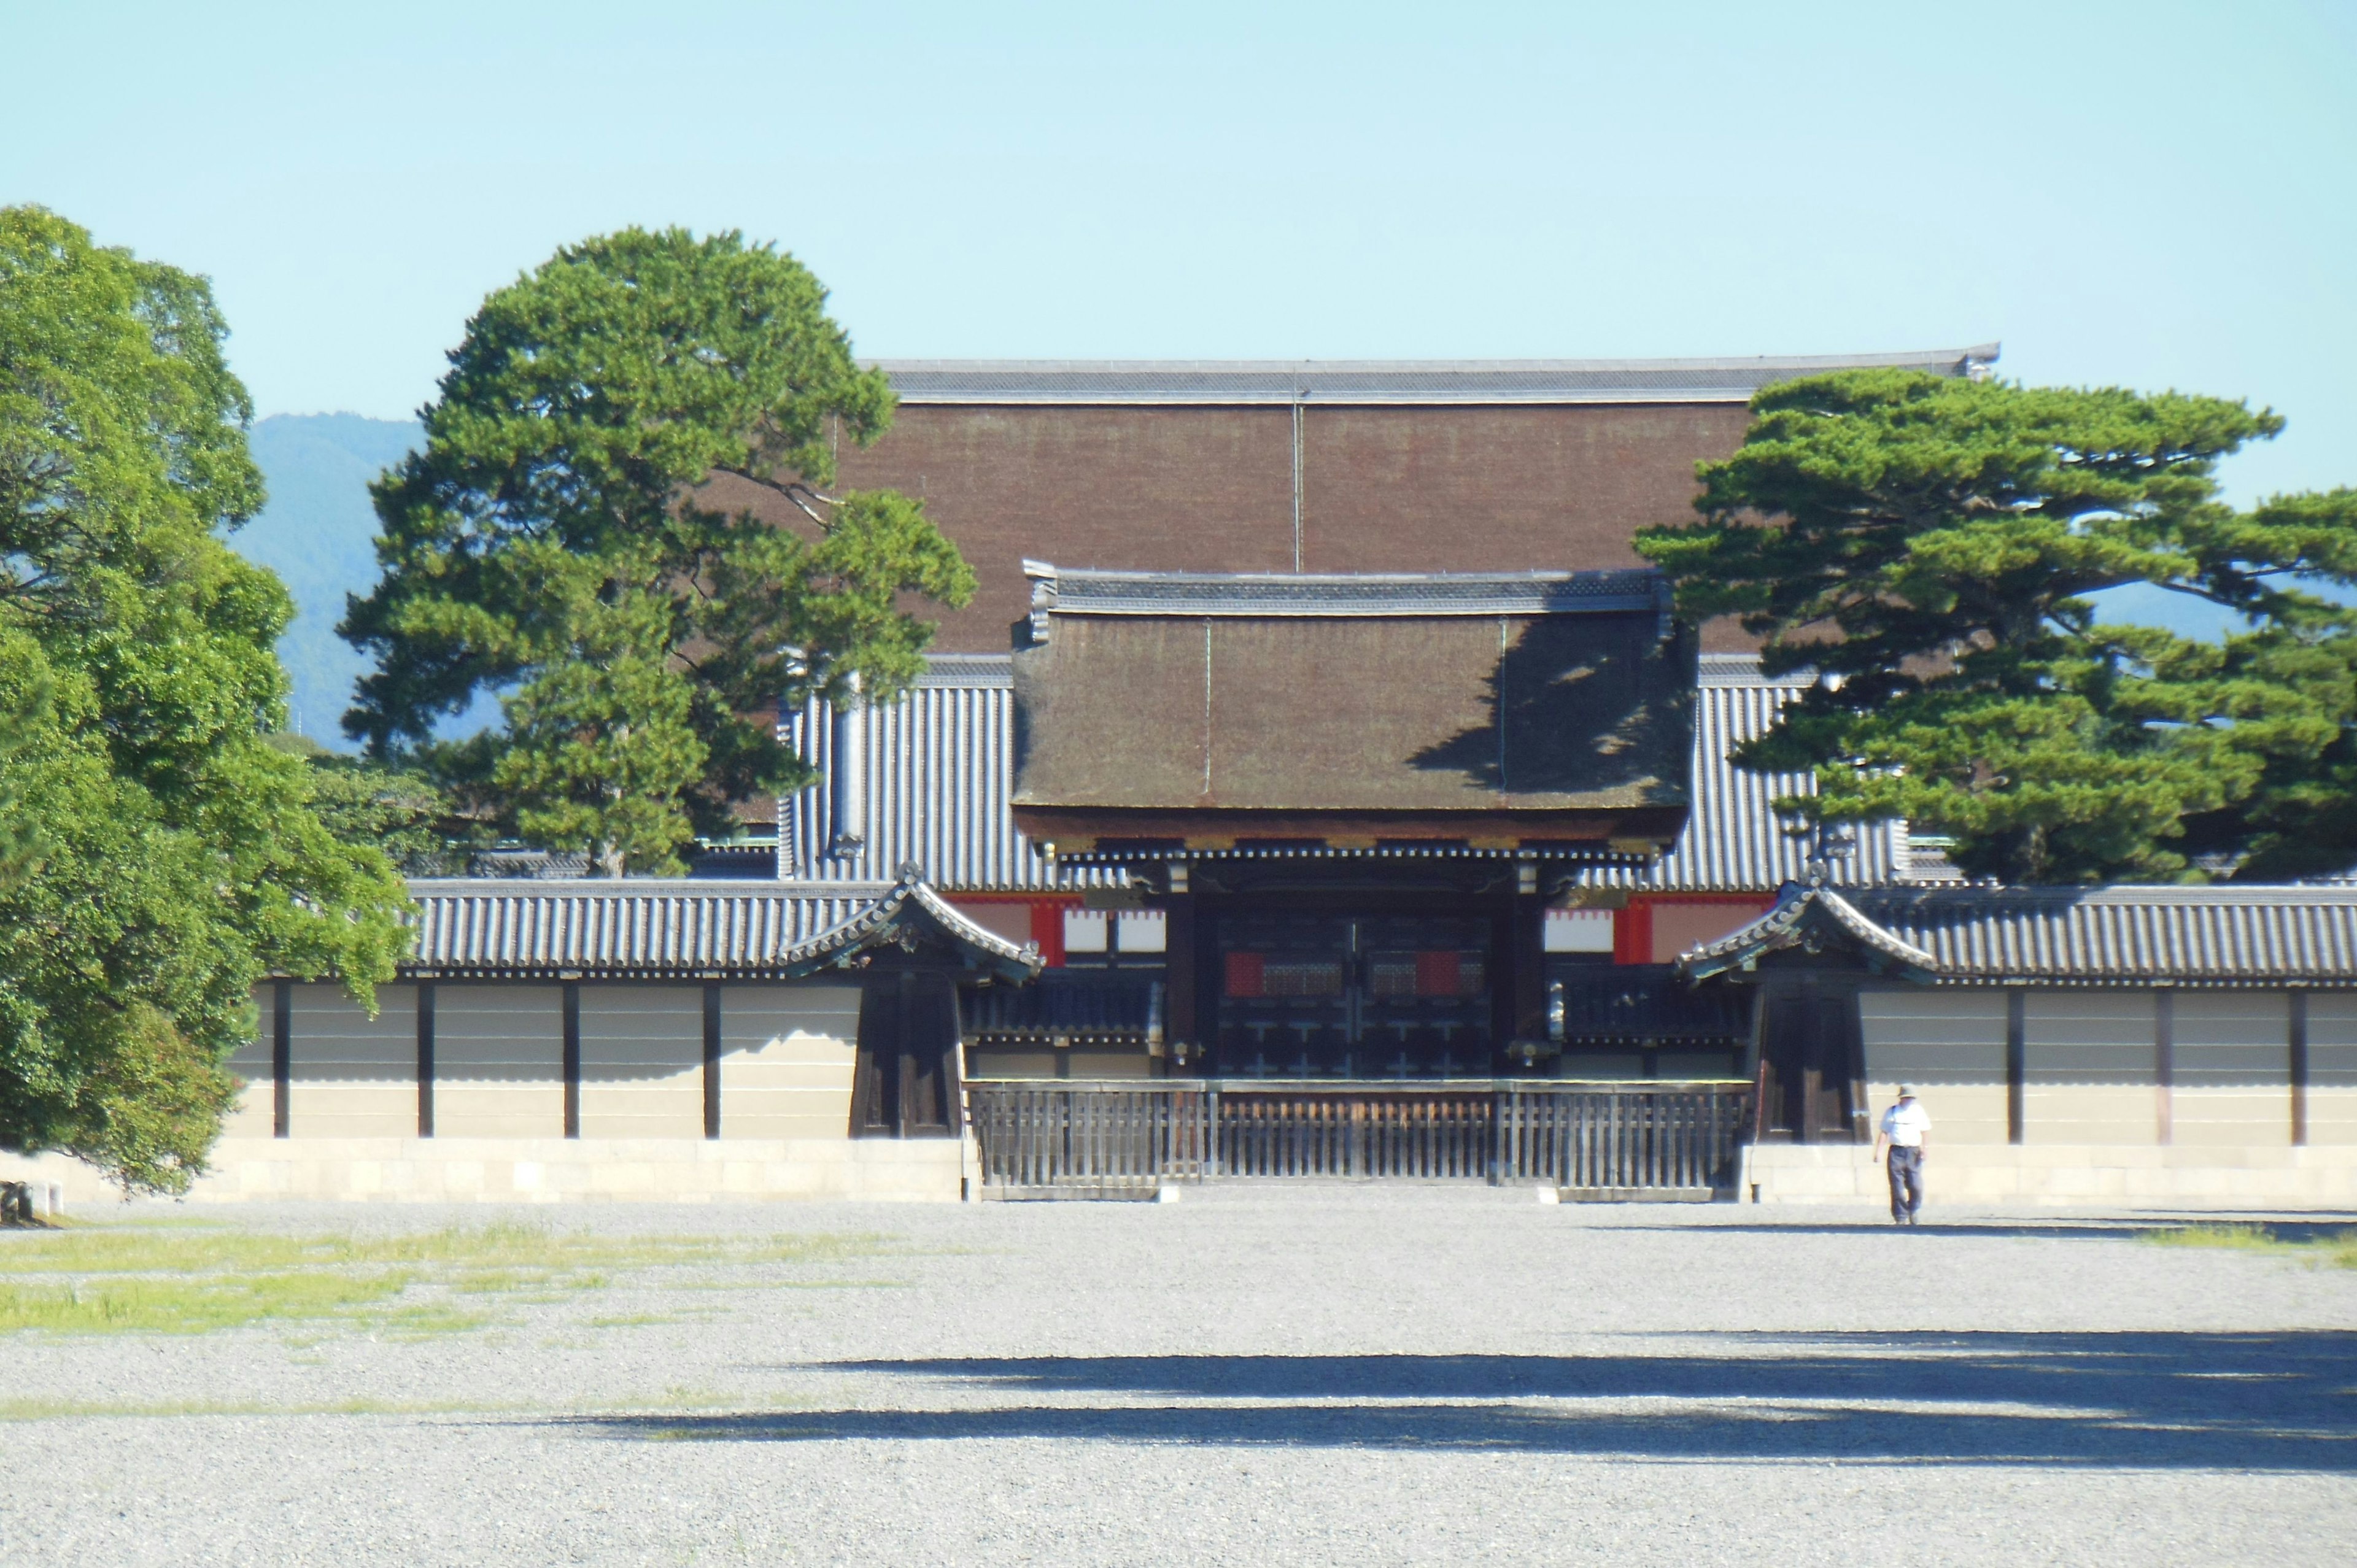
(1253, 1374)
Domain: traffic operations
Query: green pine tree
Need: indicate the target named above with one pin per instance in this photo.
(553, 543)
(1927, 543)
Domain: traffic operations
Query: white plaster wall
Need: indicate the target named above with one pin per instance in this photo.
(1948, 1045)
(2091, 1073)
(352, 1076)
(786, 1058)
(2332, 1066)
(2231, 1068)
(545, 1170)
(643, 1060)
(499, 1060)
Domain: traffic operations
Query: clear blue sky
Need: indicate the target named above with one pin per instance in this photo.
(2149, 194)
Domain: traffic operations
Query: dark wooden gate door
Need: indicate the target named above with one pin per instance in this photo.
(1810, 1058)
(905, 1083)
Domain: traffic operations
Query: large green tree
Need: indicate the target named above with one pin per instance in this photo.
(1928, 543)
(555, 543)
(160, 856)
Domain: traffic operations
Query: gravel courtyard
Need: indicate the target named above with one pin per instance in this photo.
(1313, 1374)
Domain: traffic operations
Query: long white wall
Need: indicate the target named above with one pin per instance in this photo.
(355, 1109)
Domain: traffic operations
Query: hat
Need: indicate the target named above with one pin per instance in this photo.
(1905, 1092)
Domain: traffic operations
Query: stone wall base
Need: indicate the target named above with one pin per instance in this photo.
(2200, 1177)
(547, 1170)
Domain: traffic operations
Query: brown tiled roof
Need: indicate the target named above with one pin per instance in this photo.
(1516, 693)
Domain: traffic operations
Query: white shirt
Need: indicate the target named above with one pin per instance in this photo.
(1905, 1124)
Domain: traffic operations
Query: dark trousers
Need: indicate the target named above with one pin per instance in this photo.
(1906, 1182)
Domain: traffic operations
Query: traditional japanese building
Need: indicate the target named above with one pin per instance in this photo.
(1318, 786)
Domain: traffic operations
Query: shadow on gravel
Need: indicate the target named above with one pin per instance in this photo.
(2306, 1228)
(2229, 1401)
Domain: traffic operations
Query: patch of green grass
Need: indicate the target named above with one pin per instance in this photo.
(191, 1306)
(2338, 1250)
(184, 1278)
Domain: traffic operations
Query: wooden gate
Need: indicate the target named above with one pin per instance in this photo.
(1624, 1141)
(1592, 1141)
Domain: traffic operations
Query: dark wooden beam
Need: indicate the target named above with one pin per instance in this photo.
(2017, 1062)
(1182, 993)
(2298, 1044)
(2164, 1064)
(573, 1058)
(282, 1057)
(712, 1058)
(425, 1059)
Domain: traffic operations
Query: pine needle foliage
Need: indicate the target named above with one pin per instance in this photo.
(557, 543)
(1927, 544)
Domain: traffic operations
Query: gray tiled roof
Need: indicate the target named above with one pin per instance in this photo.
(1735, 840)
(649, 928)
(1362, 382)
(1069, 591)
(2073, 936)
(939, 776)
(641, 926)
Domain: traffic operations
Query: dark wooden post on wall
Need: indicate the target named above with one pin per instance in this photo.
(425, 1059)
(282, 1057)
(573, 1058)
(2164, 1064)
(712, 1058)
(2016, 1064)
(2297, 1009)
(1182, 1023)
(904, 1083)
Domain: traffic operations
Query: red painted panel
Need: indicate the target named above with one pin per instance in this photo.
(1047, 930)
(1633, 933)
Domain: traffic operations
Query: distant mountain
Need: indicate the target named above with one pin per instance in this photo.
(318, 534)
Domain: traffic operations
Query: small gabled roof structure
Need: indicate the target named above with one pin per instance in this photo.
(912, 923)
(2120, 936)
(1493, 710)
(1810, 918)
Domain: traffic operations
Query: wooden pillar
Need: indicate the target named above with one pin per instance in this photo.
(1808, 1127)
(1182, 990)
(2016, 1064)
(2299, 1043)
(1505, 982)
(712, 1058)
(425, 1059)
(282, 1057)
(573, 1058)
(2164, 1064)
(1530, 965)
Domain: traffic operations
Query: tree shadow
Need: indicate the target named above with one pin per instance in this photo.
(2240, 1401)
(1581, 704)
(2306, 1228)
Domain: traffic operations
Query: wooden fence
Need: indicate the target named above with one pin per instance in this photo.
(1069, 1138)
(1112, 1139)
(1615, 1139)
(1355, 1130)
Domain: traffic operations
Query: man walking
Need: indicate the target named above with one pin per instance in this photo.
(1905, 1126)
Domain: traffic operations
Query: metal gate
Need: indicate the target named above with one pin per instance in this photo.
(1591, 1141)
